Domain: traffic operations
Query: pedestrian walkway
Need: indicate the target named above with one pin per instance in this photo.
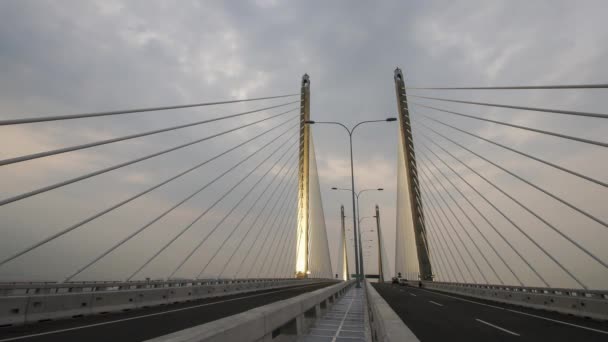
(345, 321)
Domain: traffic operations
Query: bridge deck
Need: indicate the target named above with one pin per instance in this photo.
(435, 316)
(143, 324)
(344, 321)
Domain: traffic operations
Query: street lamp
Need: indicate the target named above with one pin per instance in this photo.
(357, 194)
(361, 220)
(352, 172)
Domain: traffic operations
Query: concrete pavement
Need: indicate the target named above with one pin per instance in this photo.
(344, 321)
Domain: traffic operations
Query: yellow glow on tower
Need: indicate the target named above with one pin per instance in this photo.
(302, 239)
(302, 250)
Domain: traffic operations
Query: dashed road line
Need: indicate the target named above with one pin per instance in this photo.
(497, 327)
(519, 312)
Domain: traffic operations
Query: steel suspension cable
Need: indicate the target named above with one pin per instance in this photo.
(468, 252)
(129, 111)
(450, 261)
(117, 166)
(274, 228)
(421, 220)
(291, 254)
(469, 218)
(281, 228)
(418, 203)
(128, 137)
(546, 192)
(430, 180)
(283, 200)
(521, 153)
(271, 228)
(439, 232)
(117, 205)
(559, 135)
(277, 252)
(282, 238)
(439, 264)
(560, 86)
(282, 185)
(438, 270)
(175, 237)
(205, 266)
(254, 202)
(540, 277)
(195, 249)
(150, 223)
(548, 224)
(286, 252)
(535, 109)
(421, 217)
(522, 231)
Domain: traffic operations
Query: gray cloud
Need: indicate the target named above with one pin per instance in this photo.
(74, 56)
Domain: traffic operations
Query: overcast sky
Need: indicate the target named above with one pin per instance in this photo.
(61, 57)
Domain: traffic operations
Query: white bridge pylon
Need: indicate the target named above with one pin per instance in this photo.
(312, 257)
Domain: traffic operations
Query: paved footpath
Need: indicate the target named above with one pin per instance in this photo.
(345, 321)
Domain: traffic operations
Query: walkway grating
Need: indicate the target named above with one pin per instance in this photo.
(345, 321)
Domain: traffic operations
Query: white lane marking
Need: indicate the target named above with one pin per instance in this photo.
(520, 312)
(143, 316)
(430, 301)
(497, 327)
(556, 321)
(341, 337)
(411, 294)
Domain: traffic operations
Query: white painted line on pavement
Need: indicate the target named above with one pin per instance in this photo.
(144, 316)
(519, 312)
(497, 327)
(411, 294)
(430, 301)
(556, 321)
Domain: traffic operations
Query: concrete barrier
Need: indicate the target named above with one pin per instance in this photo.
(582, 303)
(43, 307)
(12, 310)
(51, 304)
(386, 325)
(280, 321)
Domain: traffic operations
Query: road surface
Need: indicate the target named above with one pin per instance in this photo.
(146, 323)
(438, 316)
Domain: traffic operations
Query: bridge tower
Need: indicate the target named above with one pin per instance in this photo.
(343, 264)
(411, 232)
(303, 234)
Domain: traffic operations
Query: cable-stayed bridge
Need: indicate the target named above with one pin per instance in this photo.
(232, 245)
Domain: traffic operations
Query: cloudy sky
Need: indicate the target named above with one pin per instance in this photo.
(61, 57)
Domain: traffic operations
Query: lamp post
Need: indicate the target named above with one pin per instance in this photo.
(357, 194)
(380, 266)
(352, 172)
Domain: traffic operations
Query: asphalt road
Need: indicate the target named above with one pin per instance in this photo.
(437, 316)
(143, 324)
